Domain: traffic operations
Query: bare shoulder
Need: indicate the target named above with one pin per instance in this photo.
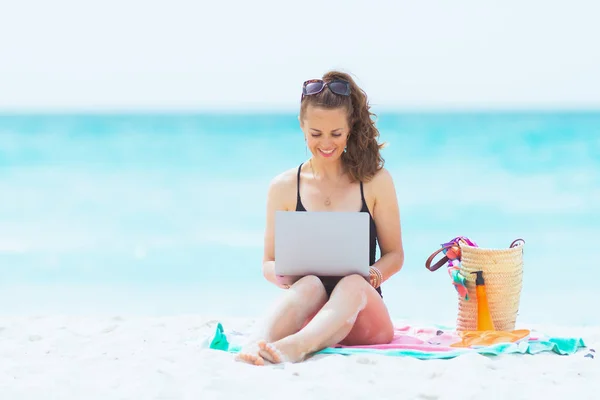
(382, 184)
(284, 181)
(382, 178)
(282, 188)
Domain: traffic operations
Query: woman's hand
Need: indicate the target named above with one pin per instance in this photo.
(284, 285)
(269, 274)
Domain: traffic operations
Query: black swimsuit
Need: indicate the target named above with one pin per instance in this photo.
(330, 283)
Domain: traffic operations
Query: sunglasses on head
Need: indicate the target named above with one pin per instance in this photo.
(315, 86)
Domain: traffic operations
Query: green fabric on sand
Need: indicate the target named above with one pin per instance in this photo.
(219, 341)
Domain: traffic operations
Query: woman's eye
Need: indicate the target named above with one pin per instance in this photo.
(316, 135)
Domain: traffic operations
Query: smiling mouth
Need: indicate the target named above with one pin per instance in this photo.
(327, 152)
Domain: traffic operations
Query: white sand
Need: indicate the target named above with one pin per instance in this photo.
(67, 358)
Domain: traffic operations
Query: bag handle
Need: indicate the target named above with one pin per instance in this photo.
(441, 262)
(445, 246)
(517, 242)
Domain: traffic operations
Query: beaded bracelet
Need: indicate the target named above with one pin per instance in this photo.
(378, 276)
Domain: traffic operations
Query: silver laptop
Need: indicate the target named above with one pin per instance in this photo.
(318, 243)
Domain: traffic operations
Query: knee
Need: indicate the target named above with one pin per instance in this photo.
(356, 287)
(309, 286)
(355, 281)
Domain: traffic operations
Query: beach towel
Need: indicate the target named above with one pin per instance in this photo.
(431, 342)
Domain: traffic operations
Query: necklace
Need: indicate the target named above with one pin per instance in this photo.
(327, 198)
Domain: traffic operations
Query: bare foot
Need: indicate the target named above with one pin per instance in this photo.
(250, 354)
(281, 351)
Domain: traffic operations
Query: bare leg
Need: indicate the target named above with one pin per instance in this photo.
(300, 302)
(355, 309)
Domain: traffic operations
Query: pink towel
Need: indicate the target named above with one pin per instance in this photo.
(422, 338)
(417, 338)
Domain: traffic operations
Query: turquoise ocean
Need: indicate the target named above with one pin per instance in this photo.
(164, 213)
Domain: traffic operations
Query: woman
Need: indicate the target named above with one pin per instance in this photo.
(345, 173)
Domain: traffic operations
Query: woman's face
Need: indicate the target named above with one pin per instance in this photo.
(326, 132)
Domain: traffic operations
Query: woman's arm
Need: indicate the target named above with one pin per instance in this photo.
(386, 214)
(275, 202)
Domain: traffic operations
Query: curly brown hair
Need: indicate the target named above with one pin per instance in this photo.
(362, 158)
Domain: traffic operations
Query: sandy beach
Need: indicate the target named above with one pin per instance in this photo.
(122, 357)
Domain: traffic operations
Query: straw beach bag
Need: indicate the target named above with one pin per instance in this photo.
(503, 274)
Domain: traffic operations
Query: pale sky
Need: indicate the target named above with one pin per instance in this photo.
(75, 55)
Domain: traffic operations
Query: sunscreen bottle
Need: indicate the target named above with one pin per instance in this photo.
(484, 317)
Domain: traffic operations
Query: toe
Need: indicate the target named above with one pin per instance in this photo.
(249, 358)
(263, 351)
(259, 361)
(268, 352)
(242, 357)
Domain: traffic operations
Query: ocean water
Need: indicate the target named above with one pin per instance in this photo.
(164, 213)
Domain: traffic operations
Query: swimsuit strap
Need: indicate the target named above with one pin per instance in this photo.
(298, 200)
(362, 194)
(299, 205)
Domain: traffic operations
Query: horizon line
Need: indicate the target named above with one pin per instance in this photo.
(285, 110)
